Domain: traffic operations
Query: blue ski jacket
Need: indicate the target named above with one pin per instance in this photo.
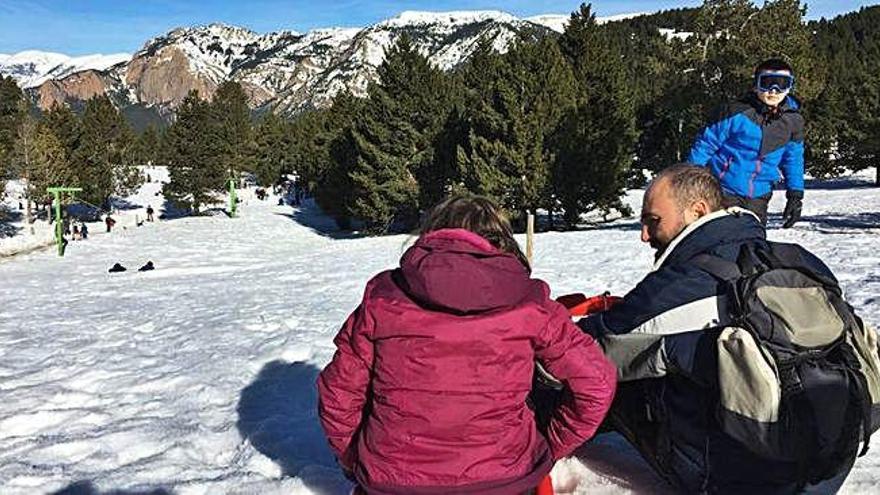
(747, 145)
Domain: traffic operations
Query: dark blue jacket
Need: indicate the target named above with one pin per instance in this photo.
(663, 336)
(747, 145)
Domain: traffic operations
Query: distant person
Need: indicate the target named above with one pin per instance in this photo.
(147, 267)
(751, 140)
(109, 222)
(116, 268)
(149, 213)
(427, 390)
(84, 231)
(76, 234)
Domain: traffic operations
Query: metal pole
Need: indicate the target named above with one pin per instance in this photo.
(56, 191)
(232, 199)
(58, 229)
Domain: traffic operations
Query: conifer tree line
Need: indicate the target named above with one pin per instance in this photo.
(565, 123)
(560, 123)
(95, 149)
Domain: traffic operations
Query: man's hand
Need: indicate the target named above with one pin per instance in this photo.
(793, 206)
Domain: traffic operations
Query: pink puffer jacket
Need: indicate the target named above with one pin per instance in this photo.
(426, 393)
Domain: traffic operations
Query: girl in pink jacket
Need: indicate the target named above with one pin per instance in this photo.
(426, 393)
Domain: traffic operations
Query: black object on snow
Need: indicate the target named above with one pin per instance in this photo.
(117, 268)
(147, 267)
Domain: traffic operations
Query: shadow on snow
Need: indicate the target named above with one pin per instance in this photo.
(310, 215)
(611, 457)
(8, 217)
(278, 414)
(87, 488)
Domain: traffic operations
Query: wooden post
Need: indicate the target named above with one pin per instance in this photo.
(530, 236)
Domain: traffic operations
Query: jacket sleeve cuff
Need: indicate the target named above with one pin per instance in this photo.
(794, 194)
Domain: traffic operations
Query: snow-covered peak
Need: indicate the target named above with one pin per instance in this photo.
(416, 17)
(37, 61)
(213, 50)
(620, 17)
(32, 67)
(556, 22)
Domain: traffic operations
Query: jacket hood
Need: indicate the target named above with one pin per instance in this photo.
(731, 226)
(459, 271)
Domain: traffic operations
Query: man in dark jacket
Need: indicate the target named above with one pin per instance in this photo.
(750, 141)
(662, 339)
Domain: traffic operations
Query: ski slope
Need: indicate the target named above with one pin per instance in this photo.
(197, 377)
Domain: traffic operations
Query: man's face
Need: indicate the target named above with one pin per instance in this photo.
(663, 219)
(773, 97)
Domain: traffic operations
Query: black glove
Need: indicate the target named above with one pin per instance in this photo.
(793, 205)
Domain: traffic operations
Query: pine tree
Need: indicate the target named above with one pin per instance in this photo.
(196, 173)
(512, 103)
(842, 119)
(41, 160)
(597, 137)
(546, 89)
(11, 114)
(392, 139)
(22, 159)
(271, 148)
(329, 155)
(147, 148)
(66, 126)
(231, 117)
(102, 159)
(481, 156)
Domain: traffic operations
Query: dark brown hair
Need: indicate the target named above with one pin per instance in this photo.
(477, 214)
(690, 184)
(773, 64)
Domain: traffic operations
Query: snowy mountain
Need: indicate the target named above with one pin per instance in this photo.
(283, 71)
(32, 68)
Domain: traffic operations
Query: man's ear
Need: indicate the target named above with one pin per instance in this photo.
(701, 208)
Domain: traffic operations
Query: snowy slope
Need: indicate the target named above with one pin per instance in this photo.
(198, 377)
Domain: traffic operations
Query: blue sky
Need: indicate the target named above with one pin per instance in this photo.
(78, 27)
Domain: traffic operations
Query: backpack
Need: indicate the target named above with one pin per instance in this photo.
(798, 372)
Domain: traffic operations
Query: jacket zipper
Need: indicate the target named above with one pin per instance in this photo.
(752, 179)
(726, 166)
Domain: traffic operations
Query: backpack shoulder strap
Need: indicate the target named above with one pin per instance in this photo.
(718, 267)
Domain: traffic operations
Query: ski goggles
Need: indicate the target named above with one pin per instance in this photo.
(774, 81)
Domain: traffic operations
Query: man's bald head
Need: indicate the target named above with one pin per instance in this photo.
(689, 184)
(677, 197)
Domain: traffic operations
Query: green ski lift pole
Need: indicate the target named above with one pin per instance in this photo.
(233, 201)
(57, 191)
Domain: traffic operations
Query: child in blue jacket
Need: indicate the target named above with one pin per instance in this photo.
(754, 140)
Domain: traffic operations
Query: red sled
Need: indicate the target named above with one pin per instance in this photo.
(580, 305)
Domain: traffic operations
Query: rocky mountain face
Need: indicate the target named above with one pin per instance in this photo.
(285, 72)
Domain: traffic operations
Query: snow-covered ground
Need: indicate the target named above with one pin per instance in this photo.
(18, 237)
(197, 377)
